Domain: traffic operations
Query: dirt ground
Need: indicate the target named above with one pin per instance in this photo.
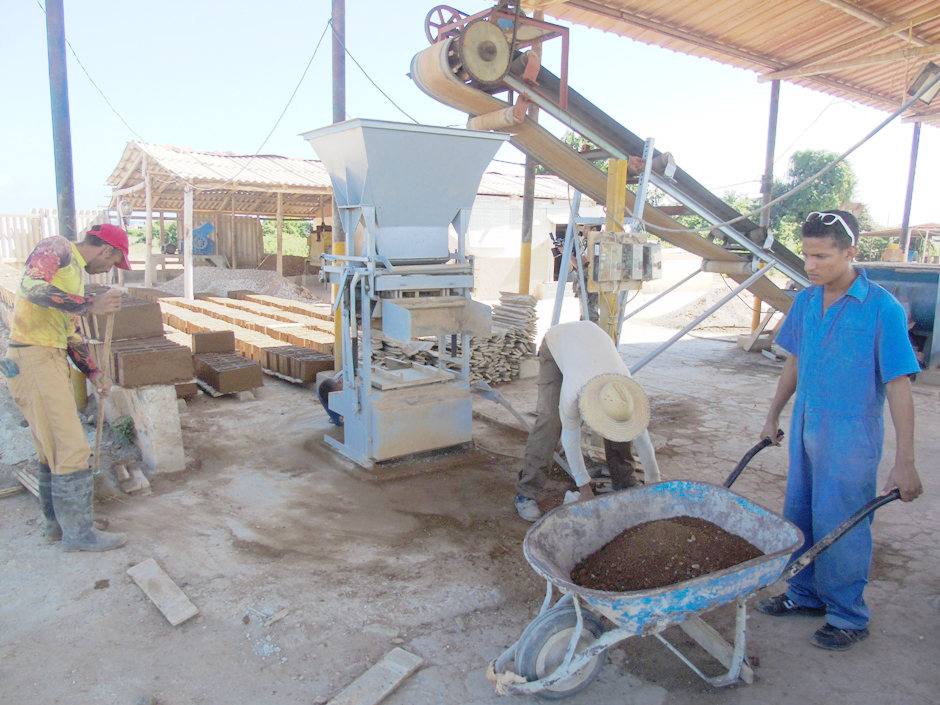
(425, 556)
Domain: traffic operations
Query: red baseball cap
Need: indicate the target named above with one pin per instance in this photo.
(114, 236)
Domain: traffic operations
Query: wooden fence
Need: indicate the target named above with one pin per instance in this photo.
(19, 233)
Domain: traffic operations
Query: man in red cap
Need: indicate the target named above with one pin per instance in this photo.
(43, 333)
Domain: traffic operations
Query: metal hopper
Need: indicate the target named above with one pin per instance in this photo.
(415, 178)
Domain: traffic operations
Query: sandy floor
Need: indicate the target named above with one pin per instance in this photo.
(266, 518)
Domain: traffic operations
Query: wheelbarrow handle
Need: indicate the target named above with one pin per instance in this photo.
(813, 551)
(748, 456)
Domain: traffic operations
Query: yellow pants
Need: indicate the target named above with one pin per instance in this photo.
(43, 392)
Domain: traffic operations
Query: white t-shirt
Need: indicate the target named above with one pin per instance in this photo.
(582, 350)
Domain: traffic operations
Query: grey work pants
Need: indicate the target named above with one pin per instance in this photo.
(544, 436)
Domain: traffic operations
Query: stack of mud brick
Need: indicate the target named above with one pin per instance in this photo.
(290, 339)
(140, 353)
(220, 367)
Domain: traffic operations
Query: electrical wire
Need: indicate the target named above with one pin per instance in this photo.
(335, 34)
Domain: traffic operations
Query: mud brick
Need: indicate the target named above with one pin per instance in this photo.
(228, 373)
(168, 363)
(186, 390)
(137, 318)
(217, 342)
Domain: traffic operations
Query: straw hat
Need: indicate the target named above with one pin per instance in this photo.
(615, 406)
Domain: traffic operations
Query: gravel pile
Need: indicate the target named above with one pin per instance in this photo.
(212, 280)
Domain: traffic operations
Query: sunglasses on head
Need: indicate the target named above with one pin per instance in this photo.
(832, 219)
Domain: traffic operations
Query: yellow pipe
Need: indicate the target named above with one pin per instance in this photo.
(339, 248)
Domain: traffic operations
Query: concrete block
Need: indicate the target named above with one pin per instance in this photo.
(931, 377)
(163, 365)
(214, 342)
(245, 396)
(187, 390)
(137, 318)
(528, 367)
(156, 417)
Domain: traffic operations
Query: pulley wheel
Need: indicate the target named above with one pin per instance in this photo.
(437, 18)
(545, 642)
(484, 52)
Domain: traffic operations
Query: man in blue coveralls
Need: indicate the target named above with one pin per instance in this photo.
(849, 351)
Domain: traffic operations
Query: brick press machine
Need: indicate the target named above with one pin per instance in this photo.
(403, 195)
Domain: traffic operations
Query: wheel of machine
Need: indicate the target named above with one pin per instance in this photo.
(437, 18)
(544, 644)
(484, 52)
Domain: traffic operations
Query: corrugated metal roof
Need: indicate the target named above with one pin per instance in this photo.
(230, 183)
(776, 35)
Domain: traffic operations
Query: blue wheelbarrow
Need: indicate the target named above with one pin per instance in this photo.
(564, 648)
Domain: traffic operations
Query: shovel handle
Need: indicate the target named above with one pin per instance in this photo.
(826, 541)
(748, 456)
(104, 364)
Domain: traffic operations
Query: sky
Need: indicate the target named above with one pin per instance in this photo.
(217, 75)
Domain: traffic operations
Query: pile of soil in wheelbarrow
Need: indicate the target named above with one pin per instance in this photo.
(662, 552)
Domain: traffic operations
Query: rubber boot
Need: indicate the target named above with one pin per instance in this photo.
(73, 496)
(52, 532)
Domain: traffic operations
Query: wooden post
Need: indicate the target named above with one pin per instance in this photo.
(280, 229)
(148, 227)
(185, 230)
(162, 244)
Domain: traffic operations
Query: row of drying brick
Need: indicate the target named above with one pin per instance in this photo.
(301, 334)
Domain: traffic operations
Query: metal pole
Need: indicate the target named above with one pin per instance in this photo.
(659, 296)
(528, 215)
(339, 60)
(565, 268)
(767, 183)
(61, 126)
(908, 199)
(750, 280)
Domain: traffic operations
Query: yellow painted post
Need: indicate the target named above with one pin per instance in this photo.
(339, 248)
(616, 207)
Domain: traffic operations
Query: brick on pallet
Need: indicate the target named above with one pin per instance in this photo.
(213, 342)
(228, 373)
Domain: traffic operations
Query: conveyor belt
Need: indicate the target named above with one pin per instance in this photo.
(431, 71)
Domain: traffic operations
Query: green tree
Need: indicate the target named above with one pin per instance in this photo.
(832, 190)
(294, 237)
(578, 144)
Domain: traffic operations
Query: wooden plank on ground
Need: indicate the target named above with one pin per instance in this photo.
(378, 682)
(28, 480)
(10, 491)
(163, 592)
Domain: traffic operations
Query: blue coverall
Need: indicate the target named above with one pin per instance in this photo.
(846, 354)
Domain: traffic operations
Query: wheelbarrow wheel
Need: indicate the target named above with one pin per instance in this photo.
(543, 647)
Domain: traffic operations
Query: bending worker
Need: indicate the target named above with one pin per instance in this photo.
(582, 376)
(42, 334)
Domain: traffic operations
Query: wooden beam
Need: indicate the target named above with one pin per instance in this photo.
(869, 38)
(898, 55)
(865, 16)
(280, 232)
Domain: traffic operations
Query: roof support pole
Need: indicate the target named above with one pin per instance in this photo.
(148, 227)
(185, 230)
(528, 194)
(909, 197)
(280, 234)
(767, 183)
(61, 125)
(339, 60)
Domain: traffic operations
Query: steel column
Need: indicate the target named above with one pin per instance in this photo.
(61, 125)
(909, 197)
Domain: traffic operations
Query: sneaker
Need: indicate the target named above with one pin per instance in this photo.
(528, 508)
(781, 605)
(835, 639)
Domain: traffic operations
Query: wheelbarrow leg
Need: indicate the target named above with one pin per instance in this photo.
(731, 657)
